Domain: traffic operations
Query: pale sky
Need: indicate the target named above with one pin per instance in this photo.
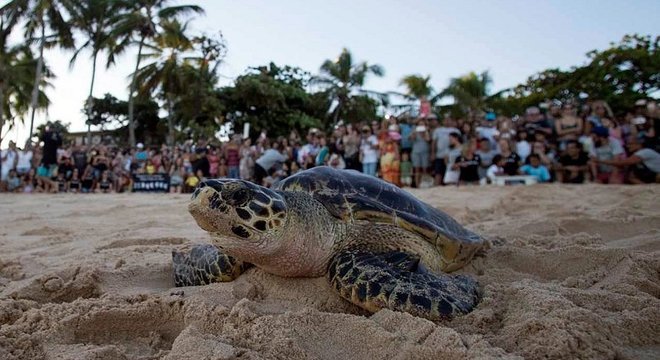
(444, 39)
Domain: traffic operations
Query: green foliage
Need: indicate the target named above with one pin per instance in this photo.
(620, 75)
(342, 79)
(470, 93)
(109, 112)
(417, 86)
(270, 98)
(56, 126)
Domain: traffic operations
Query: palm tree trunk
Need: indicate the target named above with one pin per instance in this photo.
(170, 121)
(37, 80)
(131, 102)
(89, 101)
(2, 108)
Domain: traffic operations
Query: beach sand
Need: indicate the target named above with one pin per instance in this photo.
(574, 273)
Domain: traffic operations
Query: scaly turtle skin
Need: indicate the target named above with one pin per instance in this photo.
(379, 246)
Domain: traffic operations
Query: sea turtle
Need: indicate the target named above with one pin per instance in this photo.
(378, 245)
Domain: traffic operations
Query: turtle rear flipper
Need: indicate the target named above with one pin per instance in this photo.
(376, 281)
(205, 264)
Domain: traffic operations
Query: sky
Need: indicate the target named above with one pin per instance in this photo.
(512, 39)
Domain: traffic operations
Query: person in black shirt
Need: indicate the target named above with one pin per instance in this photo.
(468, 164)
(79, 156)
(202, 163)
(573, 165)
(66, 168)
(74, 183)
(52, 141)
(511, 160)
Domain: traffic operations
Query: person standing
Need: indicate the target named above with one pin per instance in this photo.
(369, 151)
(421, 139)
(233, 157)
(52, 141)
(440, 148)
(9, 158)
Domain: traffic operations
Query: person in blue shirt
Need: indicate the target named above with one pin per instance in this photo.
(536, 169)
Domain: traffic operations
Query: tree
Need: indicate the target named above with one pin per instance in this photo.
(56, 126)
(272, 99)
(17, 69)
(166, 74)
(41, 15)
(342, 78)
(94, 18)
(418, 88)
(620, 75)
(111, 113)
(470, 92)
(198, 107)
(143, 19)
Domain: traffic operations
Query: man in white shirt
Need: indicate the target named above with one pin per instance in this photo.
(24, 162)
(8, 157)
(440, 147)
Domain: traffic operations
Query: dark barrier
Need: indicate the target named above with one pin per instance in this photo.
(151, 183)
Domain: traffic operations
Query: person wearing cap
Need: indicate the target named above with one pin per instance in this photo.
(645, 162)
(605, 149)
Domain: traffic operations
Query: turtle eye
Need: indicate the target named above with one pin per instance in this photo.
(240, 197)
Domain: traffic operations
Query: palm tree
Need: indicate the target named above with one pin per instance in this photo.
(94, 19)
(470, 91)
(168, 71)
(342, 77)
(419, 89)
(42, 15)
(143, 18)
(417, 86)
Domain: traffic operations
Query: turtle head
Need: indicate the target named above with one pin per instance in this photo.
(237, 209)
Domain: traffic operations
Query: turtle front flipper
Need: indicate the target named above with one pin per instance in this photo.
(205, 264)
(391, 280)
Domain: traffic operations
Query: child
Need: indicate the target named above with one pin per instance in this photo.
(405, 167)
(13, 181)
(104, 185)
(536, 169)
(496, 169)
(222, 168)
(62, 184)
(191, 181)
(74, 183)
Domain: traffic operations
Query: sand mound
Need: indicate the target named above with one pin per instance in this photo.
(574, 273)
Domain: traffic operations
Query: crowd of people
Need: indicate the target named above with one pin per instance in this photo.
(552, 142)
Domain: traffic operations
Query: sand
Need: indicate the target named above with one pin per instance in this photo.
(574, 273)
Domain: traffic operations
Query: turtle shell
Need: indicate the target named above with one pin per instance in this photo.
(352, 196)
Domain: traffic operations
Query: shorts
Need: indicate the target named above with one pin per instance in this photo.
(644, 174)
(420, 160)
(406, 180)
(439, 167)
(176, 180)
(43, 171)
